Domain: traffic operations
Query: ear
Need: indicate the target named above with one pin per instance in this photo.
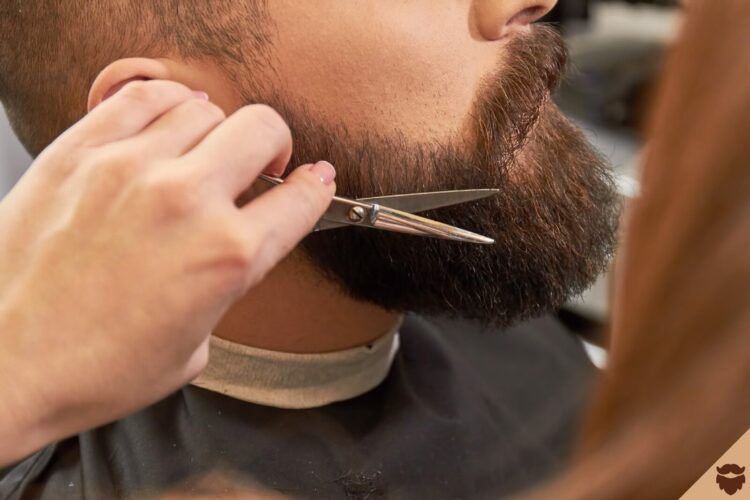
(116, 75)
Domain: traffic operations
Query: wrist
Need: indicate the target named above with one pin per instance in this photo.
(20, 437)
(21, 417)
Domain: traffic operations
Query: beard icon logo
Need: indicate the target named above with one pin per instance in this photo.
(730, 478)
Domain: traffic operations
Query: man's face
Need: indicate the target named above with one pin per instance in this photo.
(414, 66)
(422, 95)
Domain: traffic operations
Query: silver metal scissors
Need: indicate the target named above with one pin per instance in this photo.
(396, 213)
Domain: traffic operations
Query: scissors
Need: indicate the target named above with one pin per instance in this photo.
(396, 213)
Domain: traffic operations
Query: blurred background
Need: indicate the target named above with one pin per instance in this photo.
(616, 49)
(13, 158)
(616, 53)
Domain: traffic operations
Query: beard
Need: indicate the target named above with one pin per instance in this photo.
(553, 222)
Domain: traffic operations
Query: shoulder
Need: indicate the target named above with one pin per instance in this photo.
(99, 463)
(542, 346)
(17, 480)
(537, 373)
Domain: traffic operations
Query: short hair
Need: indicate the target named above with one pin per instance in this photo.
(52, 50)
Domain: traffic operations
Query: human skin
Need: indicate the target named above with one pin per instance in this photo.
(154, 170)
(411, 68)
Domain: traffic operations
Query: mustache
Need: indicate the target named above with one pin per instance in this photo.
(730, 469)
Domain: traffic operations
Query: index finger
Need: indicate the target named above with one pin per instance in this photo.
(278, 219)
(128, 112)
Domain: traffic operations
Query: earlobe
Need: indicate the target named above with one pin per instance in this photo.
(119, 73)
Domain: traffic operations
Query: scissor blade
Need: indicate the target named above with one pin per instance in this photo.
(420, 202)
(417, 202)
(340, 211)
(396, 220)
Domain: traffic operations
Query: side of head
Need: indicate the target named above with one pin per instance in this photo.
(384, 65)
(401, 97)
(51, 52)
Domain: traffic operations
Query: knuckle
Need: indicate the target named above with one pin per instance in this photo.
(199, 109)
(113, 158)
(258, 270)
(307, 202)
(257, 273)
(65, 162)
(311, 198)
(239, 249)
(246, 258)
(139, 92)
(251, 258)
(110, 168)
(148, 93)
(270, 123)
(171, 196)
(266, 113)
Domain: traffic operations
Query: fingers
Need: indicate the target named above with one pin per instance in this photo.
(178, 130)
(282, 216)
(128, 112)
(252, 140)
(197, 362)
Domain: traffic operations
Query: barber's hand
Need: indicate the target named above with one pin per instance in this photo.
(122, 247)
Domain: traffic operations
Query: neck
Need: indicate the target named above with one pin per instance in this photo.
(294, 309)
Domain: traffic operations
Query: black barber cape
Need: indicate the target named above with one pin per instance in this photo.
(463, 413)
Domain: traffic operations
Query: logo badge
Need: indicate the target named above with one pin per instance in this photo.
(730, 478)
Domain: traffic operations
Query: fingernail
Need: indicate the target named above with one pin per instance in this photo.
(325, 171)
(200, 95)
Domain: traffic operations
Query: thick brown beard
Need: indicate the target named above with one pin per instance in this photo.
(554, 221)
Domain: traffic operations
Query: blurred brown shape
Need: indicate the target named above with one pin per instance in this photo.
(676, 394)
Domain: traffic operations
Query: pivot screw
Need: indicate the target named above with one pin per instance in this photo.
(357, 214)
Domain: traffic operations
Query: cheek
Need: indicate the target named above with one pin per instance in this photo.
(409, 74)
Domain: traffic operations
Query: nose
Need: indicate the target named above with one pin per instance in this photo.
(496, 19)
